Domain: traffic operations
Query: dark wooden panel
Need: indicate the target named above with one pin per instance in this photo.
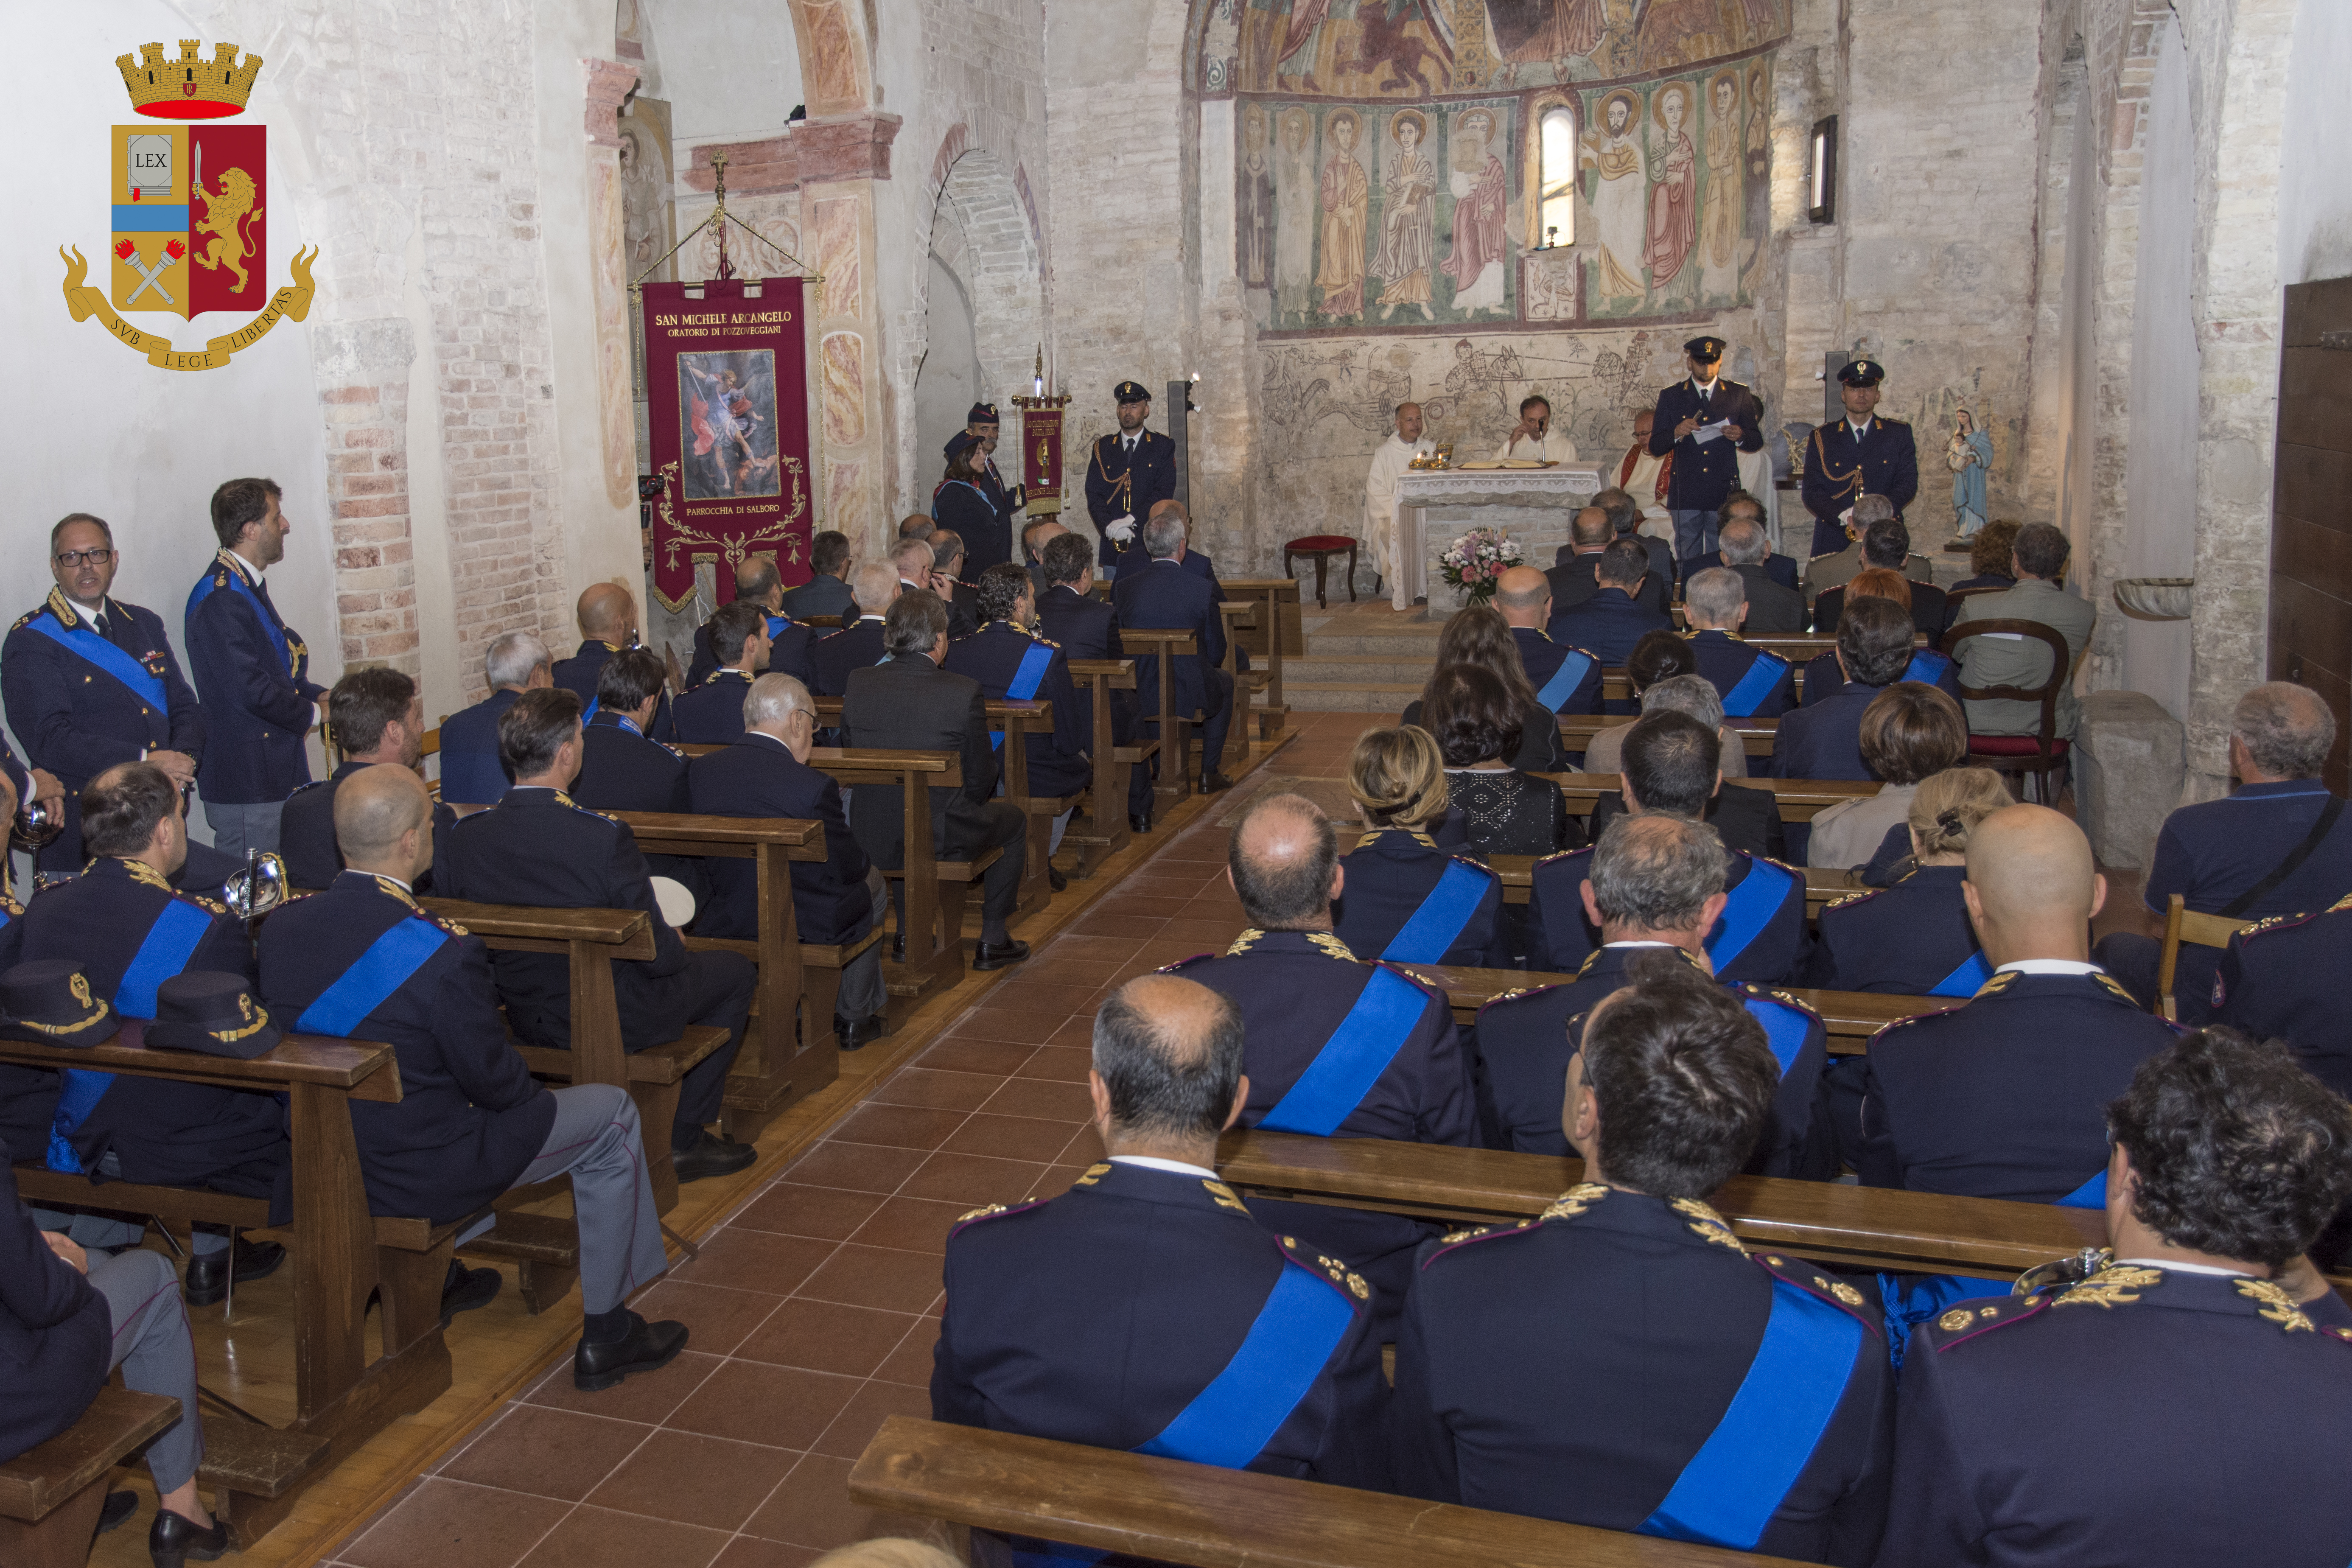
(2315, 407)
(2308, 552)
(2313, 621)
(2315, 485)
(2316, 308)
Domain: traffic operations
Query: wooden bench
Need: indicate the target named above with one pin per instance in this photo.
(788, 1052)
(50, 1495)
(1102, 832)
(1577, 729)
(1800, 800)
(2181, 924)
(933, 888)
(1237, 615)
(1175, 729)
(1174, 1512)
(1824, 885)
(1276, 629)
(1850, 1017)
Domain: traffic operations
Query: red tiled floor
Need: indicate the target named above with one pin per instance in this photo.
(943, 1090)
(972, 1179)
(450, 1521)
(828, 1336)
(1063, 1064)
(813, 1509)
(912, 1225)
(900, 1126)
(755, 1402)
(600, 1538)
(879, 1276)
(751, 1551)
(693, 1479)
(959, 1052)
(1011, 1137)
(547, 1453)
(857, 1166)
(828, 1214)
(647, 1397)
(754, 1260)
(874, 1404)
(716, 1320)
(1052, 1102)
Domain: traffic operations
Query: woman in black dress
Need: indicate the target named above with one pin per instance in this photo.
(1479, 637)
(962, 505)
(1502, 809)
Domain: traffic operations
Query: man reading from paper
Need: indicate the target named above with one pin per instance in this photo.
(1395, 455)
(1533, 439)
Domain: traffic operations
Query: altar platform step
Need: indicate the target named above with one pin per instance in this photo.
(1356, 670)
(1404, 642)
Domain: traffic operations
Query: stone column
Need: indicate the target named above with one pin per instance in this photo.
(362, 371)
(608, 86)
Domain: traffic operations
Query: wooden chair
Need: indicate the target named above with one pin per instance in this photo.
(1103, 831)
(2181, 924)
(932, 916)
(1279, 596)
(2042, 754)
(1162, 647)
(1320, 548)
(50, 1495)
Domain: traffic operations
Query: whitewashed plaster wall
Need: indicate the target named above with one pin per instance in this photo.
(2314, 190)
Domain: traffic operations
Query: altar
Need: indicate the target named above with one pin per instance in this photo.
(1435, 506)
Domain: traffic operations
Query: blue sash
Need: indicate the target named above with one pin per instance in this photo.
(1926, 666)
(1967, 980)
(379, 972)
(1907, 1306)
(1565, 679)
(1726, 1494)
(1030, 676)
(1746, 913)
(268, 617)
(1426, 938)
(1238, 1413)
(588, 714)
(1752, 688)
(2090, 1194)
(78, 1096)
(170, 941)
(776, 623)
(1353, 1059)
(95, 649)
(1785, 1029)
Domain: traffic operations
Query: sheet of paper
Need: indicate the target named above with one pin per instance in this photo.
(1710, 432)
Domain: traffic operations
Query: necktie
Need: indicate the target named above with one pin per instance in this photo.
(1131, 443)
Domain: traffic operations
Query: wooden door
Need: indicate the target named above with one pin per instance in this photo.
(2311, 510)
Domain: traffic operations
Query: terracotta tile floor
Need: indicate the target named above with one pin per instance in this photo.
(813, 1308)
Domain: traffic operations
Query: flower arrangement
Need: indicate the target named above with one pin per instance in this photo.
(1472, 562)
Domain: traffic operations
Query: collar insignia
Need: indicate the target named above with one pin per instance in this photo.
(2001, 983)
(2113, 1286)
(1707, 1225)
(1224, 1197)
(2276, 1304)
(1094, 1172)
(143, 872)
(1331, 946)
(1243, 942)
(1574, 1201)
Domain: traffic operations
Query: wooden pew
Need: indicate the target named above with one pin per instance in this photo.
(1824, 885)
(1173, 1511)
(1102, 832)
(50, 1495)
(932, 918)
(1850, 1017)
(1577, 729)
(1279, 596)
(787, 1053)
(1175, 729)
(340, 1253)
(1800, 800)
(1236, 616)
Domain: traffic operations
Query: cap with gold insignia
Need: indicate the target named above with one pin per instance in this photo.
(213, 1011)
(1705, 349)
(1861, 373)
(960, 443)
(980, 414)
(48, 1001)
(1131, 392)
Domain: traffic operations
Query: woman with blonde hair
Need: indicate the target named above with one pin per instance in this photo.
(1823, 678)
(1401, 898)
(1914, 937)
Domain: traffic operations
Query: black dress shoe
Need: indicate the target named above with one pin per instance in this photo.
(854, 1033)
(1215, 784)
(645, 1347)
(467, 1288)
(208, 1272)
(899, 948)
(997, 955)
(1138, 822)
(172, 1539)
(711, 1156)
(119, 1507)
(1055, 881)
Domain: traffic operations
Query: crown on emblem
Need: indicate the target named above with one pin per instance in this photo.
(189, 88)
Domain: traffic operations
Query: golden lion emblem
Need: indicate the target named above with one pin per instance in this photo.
(226, 211)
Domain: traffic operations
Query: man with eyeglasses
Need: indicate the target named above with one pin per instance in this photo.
(89, 682)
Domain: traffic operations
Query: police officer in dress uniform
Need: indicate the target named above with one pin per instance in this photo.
(375, 716)
(758, 584)
(1704, 471)
(1337, 1047)
(826, 593)
(1145, 1309)
(1009, 497)
(89, 682)
(1013, 663)
(1167, 597)
(252, 673)
(538, 849)
(1622, 1359)
(1641, 864)
(1753, 683)
(1567, 679)
(712, 713)
(1612, 619)
(607, 614)
(2281, 979)
(1410, 902)
(515, 663)
(1910, 939)
(362, 961)
(2189, 1403)
(857, 644)
(1672, 766)
(1823, 740)
(1088, 627)
(1132, 469)
(1859, 455)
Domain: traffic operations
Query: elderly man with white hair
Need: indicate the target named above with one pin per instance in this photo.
(1754, 684)
(835, 900)
(471, 777)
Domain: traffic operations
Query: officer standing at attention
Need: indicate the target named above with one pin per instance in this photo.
(1656, 883)
(1754, 683)
(1624, 1360)
(517, 662)
(1011, 663)
(1146, 1309)
(712, 713)
(1705, 422)
(537, 848)
(375, 716)
(361, 959)
(2189, 1403)
(252, 673)
(1088, 627)
(1859, 455)
(1337, 1047)
(90, 682)
(1131, 469)
(607, 614)
(758, 584)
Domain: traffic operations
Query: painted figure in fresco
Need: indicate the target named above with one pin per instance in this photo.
(1254, 218)
(1763, 20)
(1346, 194)
(1479, 264)
(1297, 204)
(1968, 454)
(1528, 31)
(1673, 31)
(1409, 218)
(1620, 186)
(1720, 228)
(1673, 195)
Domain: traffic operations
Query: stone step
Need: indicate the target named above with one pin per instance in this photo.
(1350, 697)
(1384, 645)
(1356, 670)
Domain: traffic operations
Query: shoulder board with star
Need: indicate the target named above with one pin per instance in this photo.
(2115, 988)
(1820, 1282)
(1768, 860)
(993, 1211)
(1515, 994)
(1863, 897)
(2280, 922)
(1425, 987)
(27, 619)
(1766, 653)
(1182, 964)
(1826, 555)
(1474, 863)
(1887, 1029)
(1543, 860)
(1040, 641)
(673, 751)
(1895, 423)
(1454, 1240)
(1329, 1270)
(441, 922)
(1965, 1321)
(210, 906)
(1779, 998)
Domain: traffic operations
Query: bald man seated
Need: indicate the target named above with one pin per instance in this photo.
(1567, 679)
(362, 961)
(607, 614)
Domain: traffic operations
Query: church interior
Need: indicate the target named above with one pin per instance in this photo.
(572, 324)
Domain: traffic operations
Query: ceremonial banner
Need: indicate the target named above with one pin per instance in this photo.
(1040, 452)
(727, 385)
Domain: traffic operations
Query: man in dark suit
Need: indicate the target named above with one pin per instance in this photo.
(909, 703)
(1624, 514)
(859, 643)
(1167, 597)
(1775, 605)
(252, 673)
(375, 716)
(826, 593)
(1611, 621)
(607, 614)
(470, 774)
(1011, 662)
(1823, 740)
(1567, 679)
(1753, 683)
(1705, 470)
(1135, 558)
(1088, 627)
(1512, 1328)
(1131, 471)
(1049, 1302)
(537, 848)
(362, 961)
(712, 713)
(1034, 539)
(89, 682)
(837, 900)
(1859, 455)
(1740, 506)
(961, 600)
(1889, 544)
(1571, 574)
(759, 586)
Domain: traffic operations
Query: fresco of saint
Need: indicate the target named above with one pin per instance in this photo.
(1408, 219)
(1346, 194)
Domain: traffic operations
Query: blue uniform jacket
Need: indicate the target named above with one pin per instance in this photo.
(1058, 762)
(56, 1331)
(1525, 1038)
(77, 717)
(1726, 661)
(253, 675)
(1909, 938)
(824, 595)
(1134, 559)
(1542, 660)
(1823, 740)
(578, 676)
(1393, 875)
(1169, 598)
(712, 713)
(1704, 472)
(1782, 569)
(1774, 954)
(832, 659)
(2283, 979)
(1100, 1316)
(757, 777)
(973, 515)
(619, 770)
(2178, 1420)
(788, 646)
(471, 774)
(2211, 852)
(306, 833)
(1825, 680)
(1085, 626)
(1606, 1366)
(470, 1115)
(1123, 484)
(1607, 625)
(1840, 467)
(2005, 1096)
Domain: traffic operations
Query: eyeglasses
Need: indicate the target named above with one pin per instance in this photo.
(69, 559)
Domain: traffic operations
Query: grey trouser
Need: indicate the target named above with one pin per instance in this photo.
(862, 994)
(596, 1140)
(238, 828)
(153, 1348)
(1694, 532)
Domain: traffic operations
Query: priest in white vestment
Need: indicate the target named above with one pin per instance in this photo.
(1533, 439)
(1381, 524)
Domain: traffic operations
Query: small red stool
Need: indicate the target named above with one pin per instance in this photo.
(1322, 547)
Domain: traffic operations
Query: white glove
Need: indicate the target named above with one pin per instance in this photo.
(1121, 531)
